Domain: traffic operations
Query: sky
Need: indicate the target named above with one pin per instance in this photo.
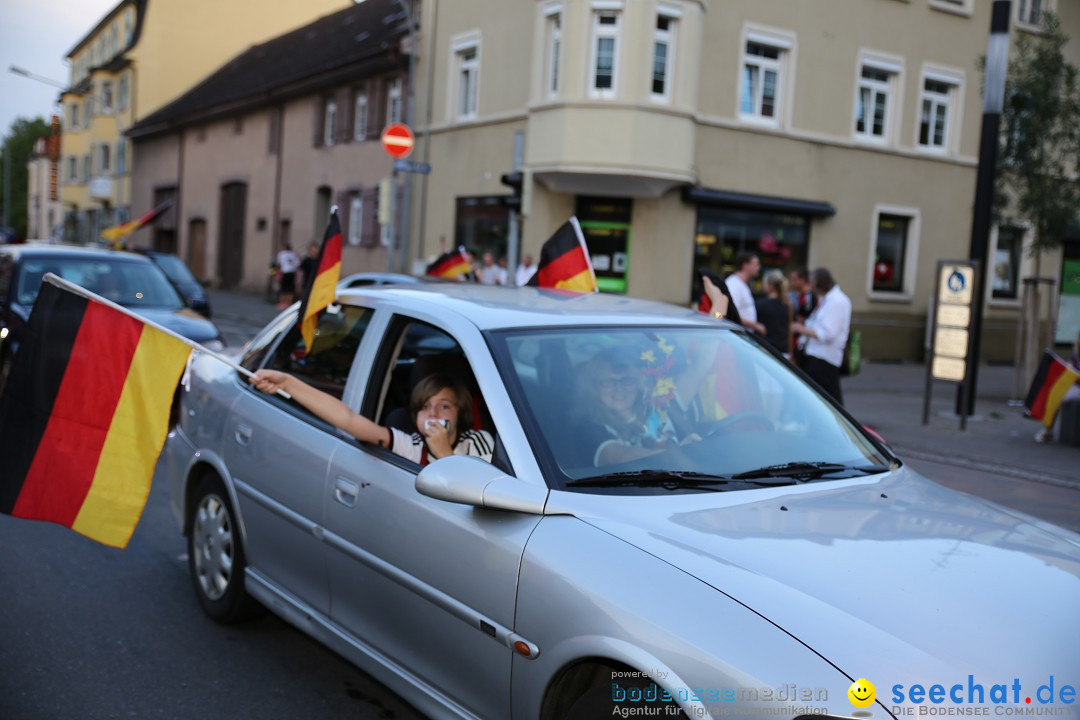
(37, 35)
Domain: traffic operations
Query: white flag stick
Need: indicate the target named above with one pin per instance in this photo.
(80, 290)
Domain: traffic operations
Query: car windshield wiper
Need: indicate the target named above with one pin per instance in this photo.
(666, 479)
(803, 471)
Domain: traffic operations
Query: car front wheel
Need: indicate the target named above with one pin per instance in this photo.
(216, 555)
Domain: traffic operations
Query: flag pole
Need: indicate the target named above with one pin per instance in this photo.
(80, 290)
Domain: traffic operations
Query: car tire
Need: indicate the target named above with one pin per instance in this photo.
(632, 694)
(216, 555)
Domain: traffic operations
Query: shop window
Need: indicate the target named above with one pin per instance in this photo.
(1005, 266)
(895, 244)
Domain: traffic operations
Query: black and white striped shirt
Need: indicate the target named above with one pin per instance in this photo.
(477, 443)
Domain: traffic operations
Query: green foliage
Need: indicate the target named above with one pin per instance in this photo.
(20, 142)
(1040, 137)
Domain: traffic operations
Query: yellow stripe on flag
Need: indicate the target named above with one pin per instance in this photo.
(582, 282)
(1056, 395)
(136, 434)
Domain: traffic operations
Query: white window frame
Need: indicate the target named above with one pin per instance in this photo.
(553, 25)
(605, 31)
(782, 65)
(668, 39)
(104, 159)
(356, 220)
(892, 88)
(466, 90)
(393, 101)
(952, 101)
(1025, 268)
(956, 7)
(106, 97)
(123, 91)
(360, 115)
(330, 111)
(121, 157)
(911, 253)
(1023, 13)
(73, 168)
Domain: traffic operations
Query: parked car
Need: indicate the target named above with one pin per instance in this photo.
(125, 278)
(757, 553)
(366, 279)
(181, 277)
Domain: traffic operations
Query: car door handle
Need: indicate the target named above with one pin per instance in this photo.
(345, 491)
(243, 434)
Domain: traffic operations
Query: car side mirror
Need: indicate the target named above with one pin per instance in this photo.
(474, 481)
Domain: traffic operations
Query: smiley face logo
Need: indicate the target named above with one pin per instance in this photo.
(862, 693)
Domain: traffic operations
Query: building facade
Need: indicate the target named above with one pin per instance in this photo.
(44, 212)
(142, 54)
(836, 133)
(258, 153)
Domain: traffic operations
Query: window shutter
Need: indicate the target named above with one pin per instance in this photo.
(370, 229)
(376, 108)
(320, 116)
(344, 212)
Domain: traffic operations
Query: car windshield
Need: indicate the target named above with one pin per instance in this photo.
(655, 409)
(175, 268)
(127, 281)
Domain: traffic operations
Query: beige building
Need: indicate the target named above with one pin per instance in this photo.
(44, 212)
(838, 133)
(258, 152)
(142, 54)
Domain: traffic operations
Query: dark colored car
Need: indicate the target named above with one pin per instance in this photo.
(181, 277)
(125, 278)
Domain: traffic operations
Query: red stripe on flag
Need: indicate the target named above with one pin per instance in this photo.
(331, 255)
(67, 456)
(1053, 373)
(563, 267)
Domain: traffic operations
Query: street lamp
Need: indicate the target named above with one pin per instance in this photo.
(23, 72)
(16, 70)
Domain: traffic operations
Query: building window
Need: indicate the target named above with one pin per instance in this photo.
(393, 102)
(936, 109)
(959, 7)
(329, 121)
(605, 50)
(873, 103)
(554, 44)
(104, 158)
(106, 96)
(360, 110)
(86, 168)
(663, 56)
(356, 219)
(87, 111)
(1005, 267)
(123, 91)
(893, 252)
(468, 76)
(73, 119)
(73, 168)
(762, 75)
(121, 157)
(1030, 12)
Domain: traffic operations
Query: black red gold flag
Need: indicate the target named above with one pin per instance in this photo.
(564, 261)
(84, 416)
(322, 289)
(451, 265)
(1052, 380)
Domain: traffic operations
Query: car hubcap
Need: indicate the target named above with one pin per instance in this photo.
(212, 547)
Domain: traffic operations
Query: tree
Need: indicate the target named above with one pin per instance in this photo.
(20, 143)
(1040, 138)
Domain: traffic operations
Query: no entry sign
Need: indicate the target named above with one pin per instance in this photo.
(398, 140)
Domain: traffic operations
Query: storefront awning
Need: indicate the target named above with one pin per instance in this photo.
(709, 196)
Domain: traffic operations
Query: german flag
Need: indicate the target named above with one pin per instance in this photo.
(322, 289)
(1052, 381)
(116, 232)
(564, 261)
(84, 416)
(451, 265)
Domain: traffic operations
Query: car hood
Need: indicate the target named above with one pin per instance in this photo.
(891, 578)
(182, 321)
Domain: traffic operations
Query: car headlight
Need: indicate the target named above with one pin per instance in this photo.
(214, 345)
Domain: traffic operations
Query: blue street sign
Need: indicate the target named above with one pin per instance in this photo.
(412, 167)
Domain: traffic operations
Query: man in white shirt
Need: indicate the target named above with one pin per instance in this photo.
(489, 273)
(288, 263)
(525, 271)
(747, 267)
(825, 333)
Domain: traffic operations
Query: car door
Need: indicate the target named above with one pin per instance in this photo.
(428, 585)
(278, 453)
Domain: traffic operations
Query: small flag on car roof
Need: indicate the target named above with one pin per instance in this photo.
(564, 261)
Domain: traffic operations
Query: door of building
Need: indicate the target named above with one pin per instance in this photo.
(196, 251)
(605, 223)
(231, 236)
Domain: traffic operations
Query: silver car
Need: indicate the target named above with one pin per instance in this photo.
(673, 522)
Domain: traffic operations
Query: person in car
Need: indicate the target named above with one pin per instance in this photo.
(440, 406)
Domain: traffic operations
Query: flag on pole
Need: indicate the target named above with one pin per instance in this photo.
(564, 261)
(451, 265)
(1052, 380)
(321, 289)
(116, 232)
(84, 416)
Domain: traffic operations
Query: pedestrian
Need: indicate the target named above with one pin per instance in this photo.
(309, 264)
(489, 273)
(802, 304)
(825, 333)
(747, 267)
(288, 263)
(775, 313)
(525, 271)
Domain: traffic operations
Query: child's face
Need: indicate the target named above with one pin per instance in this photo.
(440, 406)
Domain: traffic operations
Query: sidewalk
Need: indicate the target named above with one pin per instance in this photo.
(998, 438)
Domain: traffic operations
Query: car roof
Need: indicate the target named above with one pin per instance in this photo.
(496, 308)
(72, 251)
